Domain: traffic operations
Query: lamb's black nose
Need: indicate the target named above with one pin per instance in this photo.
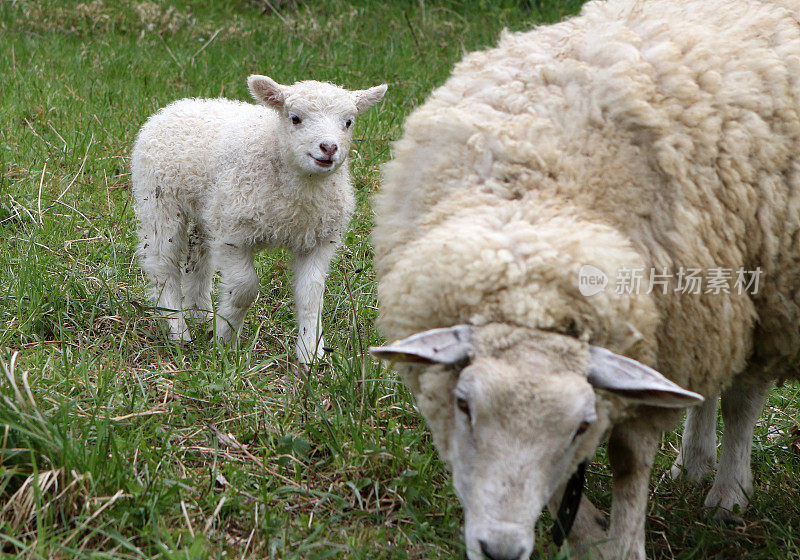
(328, 149)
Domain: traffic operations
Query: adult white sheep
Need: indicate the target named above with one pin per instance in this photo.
(640, 135)
(247, 177)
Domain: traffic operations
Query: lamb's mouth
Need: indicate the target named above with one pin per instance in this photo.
(325, 163)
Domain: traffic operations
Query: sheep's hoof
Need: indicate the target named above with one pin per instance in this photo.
(693, 472)
(728, 518)
(728, 502)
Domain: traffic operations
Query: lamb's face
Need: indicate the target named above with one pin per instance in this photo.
(514, 412)
(316, 131)
(316, 120)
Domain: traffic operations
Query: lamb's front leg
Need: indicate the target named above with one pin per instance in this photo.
(238, 287)
(310, 272)
(631, 448)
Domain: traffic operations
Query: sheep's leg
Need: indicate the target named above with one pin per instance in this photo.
(197, 277)
(238, 287)
(741, 405)
(310, 272)
(162, 243)
(631, 449)
(698, 453)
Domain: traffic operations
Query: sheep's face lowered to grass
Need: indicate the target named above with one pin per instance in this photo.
(317, 120)
(514, 411)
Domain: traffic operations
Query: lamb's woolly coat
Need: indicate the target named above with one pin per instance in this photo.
(247, 177)
(616, 139)
(641, 135)
(219, 159)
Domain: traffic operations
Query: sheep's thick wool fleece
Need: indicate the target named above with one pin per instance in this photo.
(644, 134)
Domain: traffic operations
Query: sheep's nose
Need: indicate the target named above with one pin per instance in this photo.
(499, 551)
(328, 149)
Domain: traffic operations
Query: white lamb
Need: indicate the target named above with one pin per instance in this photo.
(641, 138)
(216, 181)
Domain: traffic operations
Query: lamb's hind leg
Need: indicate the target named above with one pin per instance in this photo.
(162, 242)
(238, 287)
(741, 405)
(197, 276)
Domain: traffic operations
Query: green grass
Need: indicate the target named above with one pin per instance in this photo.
(116, 444)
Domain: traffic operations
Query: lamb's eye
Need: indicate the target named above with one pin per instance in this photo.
(463, 406)
(296, 119)
(348, 123)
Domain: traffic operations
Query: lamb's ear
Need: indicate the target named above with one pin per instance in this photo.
(266, 90)
(636, 381)
(450, 345)
(366, 98)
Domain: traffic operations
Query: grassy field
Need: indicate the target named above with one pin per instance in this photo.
(116, 444)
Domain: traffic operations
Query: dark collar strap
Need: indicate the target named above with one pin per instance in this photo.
(570, 502)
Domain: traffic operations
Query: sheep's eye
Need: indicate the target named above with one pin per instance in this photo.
(348, 123)
(463, 405)
(582, 428)
(296, 119)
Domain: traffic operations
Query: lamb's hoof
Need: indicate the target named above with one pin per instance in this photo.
(317, 358)
(204, 334)
(227, 337)
(198, 317)
(300, 369)
(183, 338)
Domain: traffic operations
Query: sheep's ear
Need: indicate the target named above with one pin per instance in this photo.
(636, 381)
(450, 345)
(266, 90)
(366, 98)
